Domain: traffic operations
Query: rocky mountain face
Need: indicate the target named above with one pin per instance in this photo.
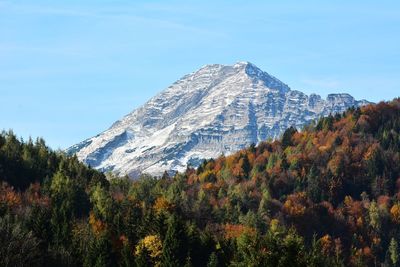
(216, 110)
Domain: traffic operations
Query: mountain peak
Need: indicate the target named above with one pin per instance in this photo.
(241, 64)
(249, 68)
(216, 110)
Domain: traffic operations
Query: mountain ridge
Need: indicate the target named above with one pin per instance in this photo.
(216, 110)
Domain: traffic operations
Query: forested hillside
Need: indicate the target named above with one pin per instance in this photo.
(328, 195)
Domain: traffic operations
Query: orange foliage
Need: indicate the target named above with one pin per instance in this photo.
(336, 163)
(296, 204)
(208, 186)
(251, 158)
(376, 240)
(236, 230)
(367, 251)
(9, 196)
(354, 208)
(395, 213)
(373, 148)
(118, 196)
(238, 170)
(33, 195)
(162, 204)
(261, 160)
(219, 164)
(326, 244)
(192, 179)
(360, 222)
(323, 148)
(97, 225)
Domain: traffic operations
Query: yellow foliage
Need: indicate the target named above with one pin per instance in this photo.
(323, 148)
(162, 204)
(348, 201)
(326, 244)
(293, 208)
(153, 245)
(360, 222)
(206, 176)
(295, 204)
(274, 225)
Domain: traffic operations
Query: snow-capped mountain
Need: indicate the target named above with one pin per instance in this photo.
(216, 110)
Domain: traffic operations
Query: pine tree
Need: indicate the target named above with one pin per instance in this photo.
(374, 216)
(284, 162)
(394, 252)
(127, 259)
(100, 252)
(62, 204)
(173, 246)
(313, 187)
(213, 261)
(287, 137)
(246, 167)
(143, 260)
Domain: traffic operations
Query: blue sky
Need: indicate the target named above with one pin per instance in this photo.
(69, 69)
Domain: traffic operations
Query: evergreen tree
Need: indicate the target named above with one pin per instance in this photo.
(394, 252)
(100, 252)
(127, 258)
(313, 185)
(374, 216)
(287, 137)
(62, 208)
(284, 163)
(213, 261)
(18, 247)
(143, 260)
(246, 167)
(173, 246)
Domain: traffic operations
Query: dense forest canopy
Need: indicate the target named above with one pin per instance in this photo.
(328, 195)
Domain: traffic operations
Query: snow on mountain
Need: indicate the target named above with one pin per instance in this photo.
(216, 110)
